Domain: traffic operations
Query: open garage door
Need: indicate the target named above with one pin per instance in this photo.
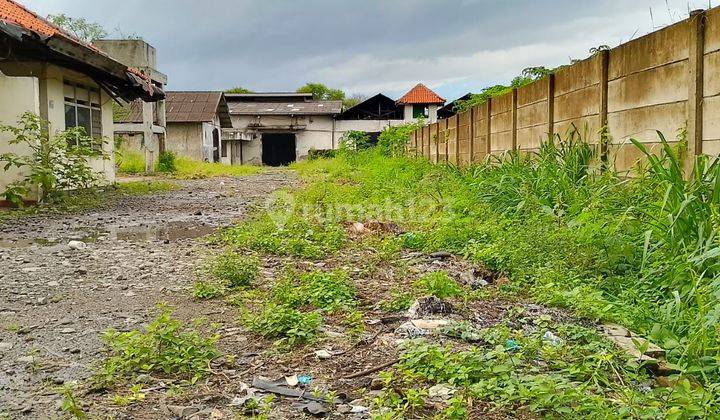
(278, 149)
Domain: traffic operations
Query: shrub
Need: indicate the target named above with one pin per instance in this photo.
(166, 162)
(440, 285)
(327, 290)
(166, 347)
(54, 164)
(393, 140)
(399, 301)
(236, 270)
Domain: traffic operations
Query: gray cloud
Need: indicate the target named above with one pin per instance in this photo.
(369, 46)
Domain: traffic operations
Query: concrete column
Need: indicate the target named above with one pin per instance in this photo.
(514, 118)
(696, 26)
(488, 128)
(604, 62)
(551, 104)
(472, 134)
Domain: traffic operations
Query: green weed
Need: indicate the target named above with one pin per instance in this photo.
(399, 301)
(165, 347)
(166, 162)
(192, 169)
(71, 404)
(235, 270)
(130, 162)
(287, 325)
(440, 285)
(207, 290)
(145, 187)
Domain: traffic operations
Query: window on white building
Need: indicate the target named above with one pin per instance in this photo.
(82, 108)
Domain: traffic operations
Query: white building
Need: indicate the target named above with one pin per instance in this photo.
(280, 128)
(66, 82)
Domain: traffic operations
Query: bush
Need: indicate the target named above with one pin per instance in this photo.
(166, 162)
(207, 290)
(165, 347)
(393, 140)
(236, 270)
(440, 285)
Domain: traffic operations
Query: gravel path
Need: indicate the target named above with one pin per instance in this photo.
(55, 301)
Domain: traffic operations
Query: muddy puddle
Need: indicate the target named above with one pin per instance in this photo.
(170, 231)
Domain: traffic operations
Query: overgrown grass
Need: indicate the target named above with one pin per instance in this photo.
(131, 162)
(642, 252)
(192, 169)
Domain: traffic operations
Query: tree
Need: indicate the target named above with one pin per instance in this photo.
(54, 163)
(239, 89)
(78, 27)
(353, 100)
(321, 92)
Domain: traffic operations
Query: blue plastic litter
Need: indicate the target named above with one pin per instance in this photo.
(304, 379)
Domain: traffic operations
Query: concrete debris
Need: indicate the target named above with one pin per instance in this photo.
(626, 340)
(182, 412)
(77, 245)
(420, 327)
(440, 255)
(313, 408)
(429, 305)
(323, 354)
(441, 392)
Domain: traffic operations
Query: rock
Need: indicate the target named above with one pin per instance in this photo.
(357, 228)
(313, 408)
(5, 347)
(182, 412)
(53, 283)
(343, 408)
(42, 300)
(323, 354)
(25, 359)
(359, 409)
(291, 380)
(429, 324)
(81, 271)
(77, 245)
(376, 384)
(440, 255)
(470, 279)
(441, 392)
(68, 331)
(429, 305)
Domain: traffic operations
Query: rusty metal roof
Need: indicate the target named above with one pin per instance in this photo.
(197, 107)
(285, 108)
(421, 94)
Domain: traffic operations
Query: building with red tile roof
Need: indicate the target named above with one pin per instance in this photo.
(421, 102)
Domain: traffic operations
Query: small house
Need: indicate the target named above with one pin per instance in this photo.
(195, 121)
(421, 102)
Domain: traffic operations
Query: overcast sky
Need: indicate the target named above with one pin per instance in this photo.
(369, 46)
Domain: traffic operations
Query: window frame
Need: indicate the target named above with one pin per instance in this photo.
(77, 103)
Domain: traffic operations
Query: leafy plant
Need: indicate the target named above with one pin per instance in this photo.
(70, 404)
(52, 163)
(399, 301)
(284, 323)
(440, 285)
(207, 290)
(236, 270)
(166, 162)
(165, 347)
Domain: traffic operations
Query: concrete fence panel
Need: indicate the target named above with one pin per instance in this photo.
(463, 139)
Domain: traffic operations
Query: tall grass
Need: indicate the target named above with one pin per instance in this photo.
(130, 162)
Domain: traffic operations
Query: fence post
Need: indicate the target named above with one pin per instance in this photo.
(551, 104)
(472, 134)
(695, 87)
(514, 118)
(457, 139)
(447, 143)
(437, 142)
(488, 115)
(604, 82)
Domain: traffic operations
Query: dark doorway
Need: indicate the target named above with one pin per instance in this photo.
(216, 145)
(278, 149)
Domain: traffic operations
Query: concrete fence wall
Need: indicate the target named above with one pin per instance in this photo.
(668, 80)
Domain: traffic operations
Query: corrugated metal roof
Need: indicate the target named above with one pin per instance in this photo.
(196, 107)
(286, 108)
(421, 94)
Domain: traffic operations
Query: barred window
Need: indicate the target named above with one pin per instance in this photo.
(82, 108)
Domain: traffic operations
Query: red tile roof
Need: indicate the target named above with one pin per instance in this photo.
(16, 13)
(421, 94)
(13, 12)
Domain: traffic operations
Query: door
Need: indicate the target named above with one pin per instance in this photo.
(216, 145)
(278, 149)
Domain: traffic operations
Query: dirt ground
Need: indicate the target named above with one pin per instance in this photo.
(56, 301)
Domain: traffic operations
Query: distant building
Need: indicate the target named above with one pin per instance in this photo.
(421, 102)
(141, 125)
(65, 81)
(195, 121)
(280, 128)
